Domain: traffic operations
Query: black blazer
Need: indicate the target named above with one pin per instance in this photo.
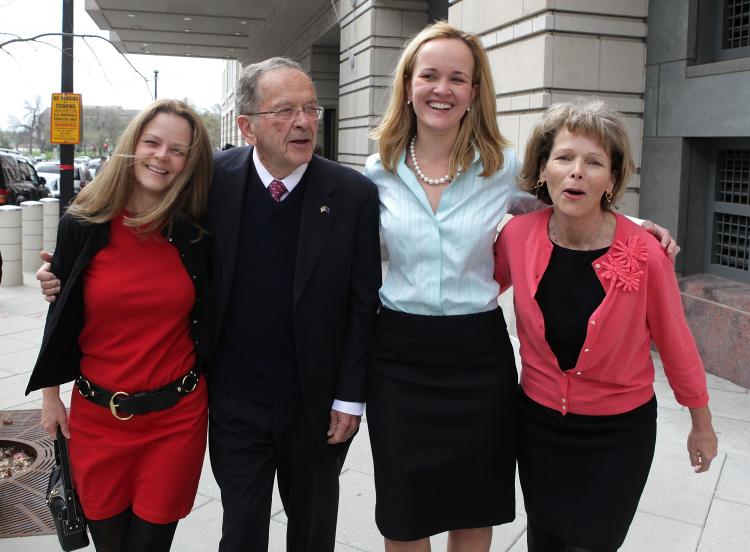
(77, 244)
(337, 274)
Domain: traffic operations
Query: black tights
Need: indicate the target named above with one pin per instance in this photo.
(539, 540)
(126, 532)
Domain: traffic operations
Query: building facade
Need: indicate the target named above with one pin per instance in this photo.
(678, 70)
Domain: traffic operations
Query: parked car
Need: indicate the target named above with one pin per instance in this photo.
(16, 186)
(82, 175)
(28, 172)
(53, 186)
(50, 171)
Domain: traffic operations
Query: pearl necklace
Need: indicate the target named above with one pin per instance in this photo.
(418, 170)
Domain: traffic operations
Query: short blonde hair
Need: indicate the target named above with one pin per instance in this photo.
(478, 127)
(106, 196)
(587, 117)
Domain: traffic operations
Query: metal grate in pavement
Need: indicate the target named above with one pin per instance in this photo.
(23, 511)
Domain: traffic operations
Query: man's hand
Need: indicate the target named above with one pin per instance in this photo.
(663, 235)
(342, 427)
(47, 281)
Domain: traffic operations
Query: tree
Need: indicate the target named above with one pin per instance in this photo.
(4, 140)
(30, 122)
(104, 124)
(212, 121)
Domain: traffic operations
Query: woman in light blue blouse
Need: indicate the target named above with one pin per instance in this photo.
(441, 397)
(441, 404)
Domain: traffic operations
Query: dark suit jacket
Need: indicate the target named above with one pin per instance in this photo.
(336, 281)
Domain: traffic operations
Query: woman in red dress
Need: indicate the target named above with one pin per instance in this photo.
(131, 326)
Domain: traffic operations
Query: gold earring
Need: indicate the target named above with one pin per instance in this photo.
(408, 102)
(468, 108)
(538, 187)
(608, 196)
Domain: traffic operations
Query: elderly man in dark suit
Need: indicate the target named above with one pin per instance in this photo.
(296, 272)
(296, 278)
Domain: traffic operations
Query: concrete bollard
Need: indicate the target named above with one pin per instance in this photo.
(32, 215)
(51, 219)
(10, 245)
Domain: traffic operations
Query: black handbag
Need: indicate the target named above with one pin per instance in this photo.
(63, 500)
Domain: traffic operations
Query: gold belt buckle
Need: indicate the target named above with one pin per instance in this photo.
(113, 406)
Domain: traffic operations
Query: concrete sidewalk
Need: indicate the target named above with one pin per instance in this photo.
(679, 511)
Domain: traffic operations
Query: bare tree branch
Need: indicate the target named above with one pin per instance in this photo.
(93, 53)
(74, 35)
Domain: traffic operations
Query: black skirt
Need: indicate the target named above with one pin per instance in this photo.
(442, 416)
(582, 476)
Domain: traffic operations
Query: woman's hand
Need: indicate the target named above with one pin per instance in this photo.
(702, 443)
(664, 237)
(53, 412)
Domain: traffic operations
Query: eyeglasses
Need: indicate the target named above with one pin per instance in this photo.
(289, 113)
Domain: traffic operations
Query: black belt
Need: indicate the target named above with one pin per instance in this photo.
(124, 405)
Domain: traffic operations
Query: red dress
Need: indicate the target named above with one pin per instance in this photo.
(135, 337)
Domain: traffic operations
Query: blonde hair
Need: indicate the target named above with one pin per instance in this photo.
(587, 117)
(107, 195)
(478, 129)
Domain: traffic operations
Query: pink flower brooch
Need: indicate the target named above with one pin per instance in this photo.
(623, 264)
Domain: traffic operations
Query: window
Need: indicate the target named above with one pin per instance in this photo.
(23, 168)
(730, 221)
(736, 24)
(49, 168)
(722, 30)
(10, 168)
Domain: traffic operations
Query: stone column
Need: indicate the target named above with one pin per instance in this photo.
(548, 51)
(373, 33)
(10, 245)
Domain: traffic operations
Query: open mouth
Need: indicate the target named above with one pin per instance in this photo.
(156, 170)
(442, 106)
(574, 192)
(300, 142)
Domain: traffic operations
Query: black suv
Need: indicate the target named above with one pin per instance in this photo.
(18, 180)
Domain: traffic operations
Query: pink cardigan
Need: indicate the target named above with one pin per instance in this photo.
(614, 372)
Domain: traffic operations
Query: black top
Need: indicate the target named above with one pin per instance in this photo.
(259, 340)
(78, 243)
(568, 294)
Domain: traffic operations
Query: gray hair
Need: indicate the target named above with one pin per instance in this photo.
(588, 117)
(247, 87)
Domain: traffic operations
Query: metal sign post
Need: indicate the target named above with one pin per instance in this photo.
(67, 150)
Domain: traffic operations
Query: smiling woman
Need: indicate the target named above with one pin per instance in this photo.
(159, 157)
(131, 326)
(442, 380)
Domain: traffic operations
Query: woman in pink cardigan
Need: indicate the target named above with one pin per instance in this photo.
(591, 291)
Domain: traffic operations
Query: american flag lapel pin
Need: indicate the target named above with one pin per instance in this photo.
(325, 209)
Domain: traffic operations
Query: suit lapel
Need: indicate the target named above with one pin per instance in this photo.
(319, 210)
(228, 216)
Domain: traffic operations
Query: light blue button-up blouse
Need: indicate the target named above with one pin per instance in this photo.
(442, 263)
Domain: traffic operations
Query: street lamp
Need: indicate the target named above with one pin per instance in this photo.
(156, 81)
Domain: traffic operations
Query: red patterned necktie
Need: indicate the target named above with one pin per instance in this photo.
(277, 189)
